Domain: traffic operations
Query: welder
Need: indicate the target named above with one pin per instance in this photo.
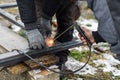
(37, 15)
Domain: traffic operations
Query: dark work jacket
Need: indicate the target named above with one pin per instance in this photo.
(27, 10)
(115, 12)
(108, 19)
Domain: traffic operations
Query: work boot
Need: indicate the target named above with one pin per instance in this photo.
(62, 71)
(62, 59)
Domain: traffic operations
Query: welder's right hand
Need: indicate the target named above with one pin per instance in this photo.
(88, 34)
(35, 39)
(45, 27)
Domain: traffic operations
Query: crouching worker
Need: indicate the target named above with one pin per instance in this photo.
(38, 24)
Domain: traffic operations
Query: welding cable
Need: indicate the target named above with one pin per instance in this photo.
(47, 68)
(65, 73)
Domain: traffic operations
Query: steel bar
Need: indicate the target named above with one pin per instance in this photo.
(8, 5)
(10, 18)
(14, 57)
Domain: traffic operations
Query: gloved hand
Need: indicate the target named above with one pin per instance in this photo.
(35, 38)
(44, 27)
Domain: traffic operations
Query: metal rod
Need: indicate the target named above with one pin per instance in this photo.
(15, 57)
(8, 5)
(10, 18)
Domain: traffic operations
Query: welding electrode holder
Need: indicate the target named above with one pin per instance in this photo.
(82, 33)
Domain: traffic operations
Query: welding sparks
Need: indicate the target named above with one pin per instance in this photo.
(49, 42)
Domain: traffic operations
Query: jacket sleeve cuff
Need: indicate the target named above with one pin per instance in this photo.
(30, 26)
(98, 38)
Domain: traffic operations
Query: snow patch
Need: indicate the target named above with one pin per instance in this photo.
(109, 63)
(73, 65)
(91, 24)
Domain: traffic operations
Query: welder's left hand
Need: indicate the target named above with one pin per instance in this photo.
(35, 39)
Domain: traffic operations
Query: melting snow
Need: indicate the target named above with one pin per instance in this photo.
(109, 63)
(73, 65)
(91, 24)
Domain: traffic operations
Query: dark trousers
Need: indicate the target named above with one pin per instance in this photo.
(27, 11)
(66, 13)
(115, 12)
(64, 10)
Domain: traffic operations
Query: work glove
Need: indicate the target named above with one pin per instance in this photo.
(44, 27)
(35, 38)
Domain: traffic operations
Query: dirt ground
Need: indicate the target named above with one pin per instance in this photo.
(4, 75)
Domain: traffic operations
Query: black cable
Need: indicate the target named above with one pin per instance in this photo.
(65, 73)
(88, 43)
